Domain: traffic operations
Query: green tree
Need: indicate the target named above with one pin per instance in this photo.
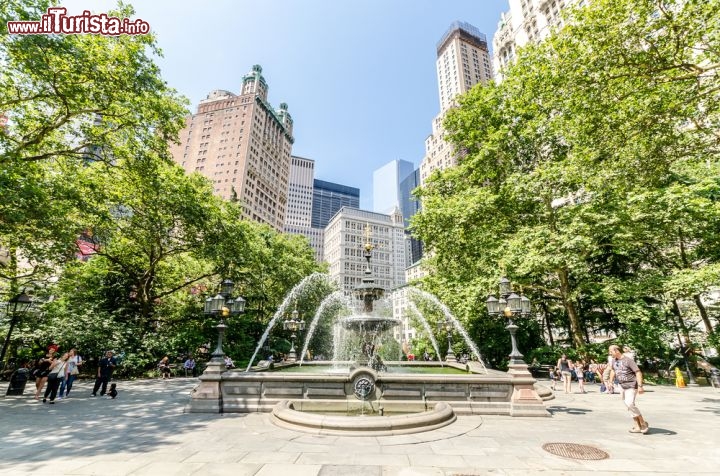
(564, 165)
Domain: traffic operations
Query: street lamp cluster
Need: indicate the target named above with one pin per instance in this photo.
(448, 327)
(223, 305)
(294, 324)
(510, 305)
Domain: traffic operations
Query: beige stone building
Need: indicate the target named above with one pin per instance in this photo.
(463, 60)
(243, 145)
(345, 236)
(527, 21)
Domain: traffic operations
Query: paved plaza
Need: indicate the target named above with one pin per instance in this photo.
(144, 431)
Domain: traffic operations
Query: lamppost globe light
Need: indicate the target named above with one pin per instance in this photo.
(17, 306)
(238, 305)
(217, 303)
(226, 288)
(513, 302)
(505, 286)
(493, 306)
(21, 302)
(525, 305)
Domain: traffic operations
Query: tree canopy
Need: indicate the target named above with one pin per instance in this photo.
(589, 175)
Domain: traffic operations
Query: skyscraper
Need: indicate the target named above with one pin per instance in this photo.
(330, 197)
(463, 61)
(528, 21)
(300, 193)
(393, 184)
(409, 206)
(313, 202)
(386, 185)
(243, 146)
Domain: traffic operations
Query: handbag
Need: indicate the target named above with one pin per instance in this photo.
(56, 373)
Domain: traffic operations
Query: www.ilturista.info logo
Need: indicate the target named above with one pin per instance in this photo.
(56, 21)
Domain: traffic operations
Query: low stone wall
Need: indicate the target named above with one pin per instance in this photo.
(490, 392)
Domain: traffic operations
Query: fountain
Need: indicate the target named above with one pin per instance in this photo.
(390, 397)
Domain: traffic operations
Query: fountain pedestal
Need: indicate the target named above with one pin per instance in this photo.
(207, 396)
(524, 400)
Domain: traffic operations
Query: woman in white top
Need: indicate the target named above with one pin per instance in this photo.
(71, 373)
(57, 373)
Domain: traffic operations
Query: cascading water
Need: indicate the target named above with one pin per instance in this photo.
(335, 298)
(426, 325)
(456, 324)
(282, 309)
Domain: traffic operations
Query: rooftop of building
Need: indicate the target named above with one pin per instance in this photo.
(466, 31)
(336, 187)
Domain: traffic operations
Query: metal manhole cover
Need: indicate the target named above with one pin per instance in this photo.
(575, 451)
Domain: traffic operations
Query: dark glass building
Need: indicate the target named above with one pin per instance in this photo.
(409, 206)
(330, 197)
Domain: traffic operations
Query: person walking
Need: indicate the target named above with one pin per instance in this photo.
(71, 372)
(580, 374)
(104, 373)
(630, 379)
(42, 370)
(607, 378)
(57, 374)
(565, 365)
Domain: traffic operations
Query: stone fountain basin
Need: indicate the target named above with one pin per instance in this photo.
(289, 414)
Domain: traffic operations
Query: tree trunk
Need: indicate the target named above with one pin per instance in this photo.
(547, 323)
(14, 291)
(703, 314)
(575, 327)
(682, 327)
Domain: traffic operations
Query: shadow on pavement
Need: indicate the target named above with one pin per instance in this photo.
(711, 409)
(660, 431)
(569, 410)
(140, 420)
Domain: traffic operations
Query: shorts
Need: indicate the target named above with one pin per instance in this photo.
(566, 373)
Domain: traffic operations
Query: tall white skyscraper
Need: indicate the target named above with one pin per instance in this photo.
(300, 193)
(463, 60)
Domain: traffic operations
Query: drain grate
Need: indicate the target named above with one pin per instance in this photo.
(575, 451)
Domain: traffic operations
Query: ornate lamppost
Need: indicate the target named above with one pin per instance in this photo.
(223, 305)
(294, 324)
(15, 307)
(447, 325)
(510, 305)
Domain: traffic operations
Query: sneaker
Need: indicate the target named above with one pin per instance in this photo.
(59, 398)
(93, 395)
(52, 402)
(645, 428)
(44, 400)
(635, 430)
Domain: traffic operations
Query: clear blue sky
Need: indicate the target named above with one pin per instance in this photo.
(358, 76)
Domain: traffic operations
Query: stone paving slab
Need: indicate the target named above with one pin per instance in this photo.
(144, 431)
